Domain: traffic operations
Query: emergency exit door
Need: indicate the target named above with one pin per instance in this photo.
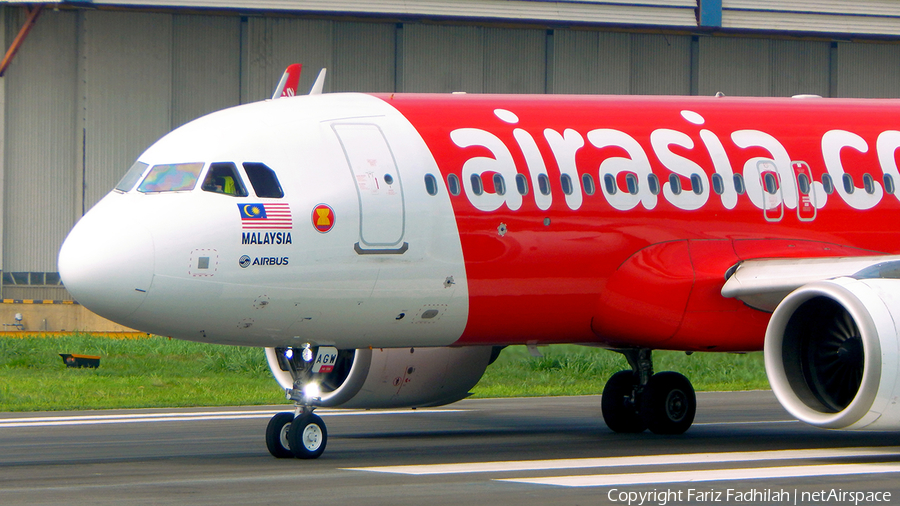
(806, 205)
(770, 186)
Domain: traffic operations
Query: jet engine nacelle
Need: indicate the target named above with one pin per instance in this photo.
(391, 377)
(831, 353)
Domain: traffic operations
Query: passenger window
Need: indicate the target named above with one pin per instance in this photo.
(827, 184)
(131, 177)
(477, 187)
(172, 177)
(223, 178)
(675, 183)
(889, 184)
(697, 184)
(565, 181)
(499, 185)
(869, 183)
(588, 183)
(771, 183)
(610, 181)
(653, 184)
(264, 181)
(848, 183)
(521, 184)
(453, 184)
(803, 183)
(544, 184)
(431, 184)
(718, 184)
(739, 184)
(632, 182)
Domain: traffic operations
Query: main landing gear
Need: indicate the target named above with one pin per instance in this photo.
(636, 400)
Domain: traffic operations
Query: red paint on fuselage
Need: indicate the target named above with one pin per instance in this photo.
(548, 282)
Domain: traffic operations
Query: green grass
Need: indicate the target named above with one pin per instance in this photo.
(133, 373)
(159, 372)
(579, 370)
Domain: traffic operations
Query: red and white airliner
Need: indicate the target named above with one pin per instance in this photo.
(384, 247)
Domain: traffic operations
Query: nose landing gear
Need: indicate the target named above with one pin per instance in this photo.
(636, 400)
(301, 434)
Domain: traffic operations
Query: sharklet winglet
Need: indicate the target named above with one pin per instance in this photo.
(319, 84)
(287, 86)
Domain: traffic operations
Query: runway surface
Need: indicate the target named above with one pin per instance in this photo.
(743, 448)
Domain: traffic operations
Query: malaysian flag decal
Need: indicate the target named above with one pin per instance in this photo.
(265, 216)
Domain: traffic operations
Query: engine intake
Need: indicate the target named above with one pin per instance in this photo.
(389, 377)
(831, 353)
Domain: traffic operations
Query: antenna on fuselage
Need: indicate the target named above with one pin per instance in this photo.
(319, 84)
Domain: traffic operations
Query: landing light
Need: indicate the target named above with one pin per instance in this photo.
(307, 354)
(312, 391)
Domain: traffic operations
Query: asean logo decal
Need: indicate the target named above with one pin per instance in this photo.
(244, 261)
(323, 218)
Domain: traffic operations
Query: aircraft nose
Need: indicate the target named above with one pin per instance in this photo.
(107, 263)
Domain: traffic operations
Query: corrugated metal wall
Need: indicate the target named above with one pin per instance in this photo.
(441, 59)
(91, 89)
(620, 63)
(661, 64)
(358, 56)
(763, 67)
(515, 60)
(41, 133)
(271, 44)
(363, 56)
(868, 70)
(127, 69)
(591, 62)
(206, 73)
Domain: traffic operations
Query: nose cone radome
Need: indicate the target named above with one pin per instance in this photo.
(107, 263)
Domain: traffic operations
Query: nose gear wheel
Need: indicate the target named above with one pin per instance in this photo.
(277, 436)
(307, 436)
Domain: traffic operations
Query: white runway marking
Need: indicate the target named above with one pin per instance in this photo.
(649, 460)
(766, 422)
(45, 421)
(601, 480)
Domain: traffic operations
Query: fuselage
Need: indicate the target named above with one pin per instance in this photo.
(438, 220)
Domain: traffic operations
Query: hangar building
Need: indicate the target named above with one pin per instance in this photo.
(87, 85)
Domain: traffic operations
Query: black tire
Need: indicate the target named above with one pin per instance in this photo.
(668, 403)
(277, 436)
(619, 412)
(308, 436)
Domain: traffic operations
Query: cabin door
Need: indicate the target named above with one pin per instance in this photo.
(379, 188)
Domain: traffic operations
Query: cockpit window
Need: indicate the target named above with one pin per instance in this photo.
(264, 181)
(171, 178)
(223, 178)
(131, 177)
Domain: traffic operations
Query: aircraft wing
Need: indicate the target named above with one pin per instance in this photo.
(763, 283)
